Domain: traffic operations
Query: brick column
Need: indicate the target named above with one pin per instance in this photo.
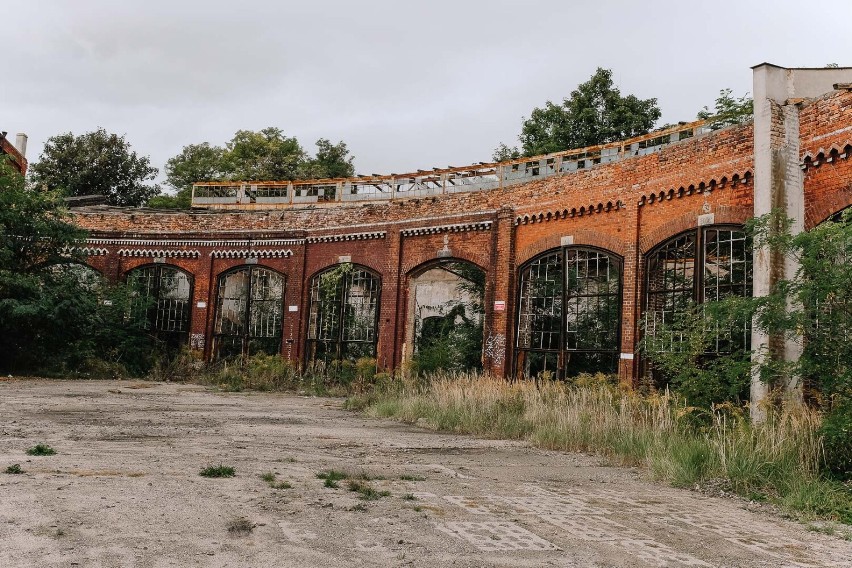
(391, 313)
(500, 278)
(631, 296)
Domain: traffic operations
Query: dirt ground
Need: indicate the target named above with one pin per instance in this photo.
(124, 490)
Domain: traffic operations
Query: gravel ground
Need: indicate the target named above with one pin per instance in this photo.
(124, 490)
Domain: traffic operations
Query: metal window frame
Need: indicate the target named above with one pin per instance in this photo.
(245, 338)
(153, 327)
(339, 342)
(563, 351)
(699, 235)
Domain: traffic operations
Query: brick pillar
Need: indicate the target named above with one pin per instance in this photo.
(391, 313)
(628, 364)
(499, 331)
(201, 307)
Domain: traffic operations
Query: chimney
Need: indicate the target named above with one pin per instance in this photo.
(21, 143)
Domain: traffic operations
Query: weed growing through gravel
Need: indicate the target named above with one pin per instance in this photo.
(270, 479)
(14, 469)
(217, 471)
(366, 491)
(331, 477)
(240, 526)
(41, 450)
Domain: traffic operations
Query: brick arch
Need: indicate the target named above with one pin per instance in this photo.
(829, 203)
(422, 258)
(582, 237)
(362, 263)
(723, 215)
(188, 265)
(376, 271)
(424, 266)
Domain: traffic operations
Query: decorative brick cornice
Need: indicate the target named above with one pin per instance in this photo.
(732, 182)
(835, 152)
(457, 228)
(159, 253)
(195, 242)
(557, 214)
(245, 253)
(347, 237)
(91, 251)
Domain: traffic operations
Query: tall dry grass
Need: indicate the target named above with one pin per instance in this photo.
(777, 460)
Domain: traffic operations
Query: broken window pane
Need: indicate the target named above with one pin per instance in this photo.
(569, 313)
(342, 323)
(164, 292)
(249, 312)
(675, 285)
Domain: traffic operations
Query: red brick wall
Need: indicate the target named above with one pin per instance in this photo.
(626, 208)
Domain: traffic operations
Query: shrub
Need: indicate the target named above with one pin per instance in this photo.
(14, 469)
(836, 432)
(217, 471)
(41, 450)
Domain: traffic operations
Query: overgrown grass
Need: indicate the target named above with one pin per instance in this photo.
(41, 450)
(777, 460)
(265, 373)
(217, 471)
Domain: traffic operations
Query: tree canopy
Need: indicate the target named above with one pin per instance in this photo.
(595, 113)
(267, 154)
(728, 110)
(95, 163)
(52, 317)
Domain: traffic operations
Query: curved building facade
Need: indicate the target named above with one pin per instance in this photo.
(582, 251)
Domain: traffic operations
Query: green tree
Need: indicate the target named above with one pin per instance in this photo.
(251, 156)
(264, 155)
(51, 319)
(95, 163)
(728, 110)
(332, 160)
(196, 162)
(595, 113)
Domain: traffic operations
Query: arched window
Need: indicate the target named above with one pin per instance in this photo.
(569, 313)
(249, 312)
(703, 265)
(343, 318)
(166, 292)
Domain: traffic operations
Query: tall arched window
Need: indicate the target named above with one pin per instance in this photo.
(702, 265)
(166, 291)
(249, 312)
(343, 318)
(569, 313)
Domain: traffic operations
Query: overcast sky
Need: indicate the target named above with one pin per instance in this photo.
(405, 84)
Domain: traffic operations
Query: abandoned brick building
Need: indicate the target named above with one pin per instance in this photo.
(582, 251)
(16, 152)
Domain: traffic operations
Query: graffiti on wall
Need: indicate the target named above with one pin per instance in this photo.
(495, 347)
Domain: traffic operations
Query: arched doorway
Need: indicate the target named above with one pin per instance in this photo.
(445, 317)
